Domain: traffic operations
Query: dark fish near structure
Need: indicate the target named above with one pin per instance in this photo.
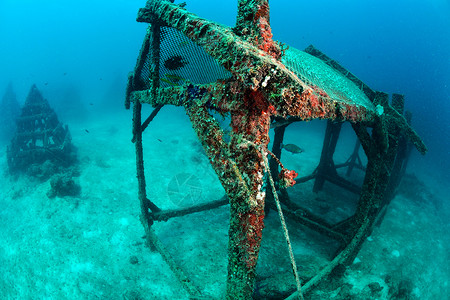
(292, 148)
(175, 62)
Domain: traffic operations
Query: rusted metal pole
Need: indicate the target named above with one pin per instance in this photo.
(137, 136)
(251, 125)
(247, 214)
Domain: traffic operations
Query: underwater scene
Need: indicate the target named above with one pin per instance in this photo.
(233, 149)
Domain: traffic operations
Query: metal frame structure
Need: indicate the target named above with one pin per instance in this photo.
(260, 89)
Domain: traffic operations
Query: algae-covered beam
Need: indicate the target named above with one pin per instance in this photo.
(392, 117)
(242, 179)
(134, 81)
(148, 120)
(407, 130)
(217, 95)
(167, 214)
(305, 218)
(381, 150)
(253, 24)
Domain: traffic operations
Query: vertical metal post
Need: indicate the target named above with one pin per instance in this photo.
(326, 164)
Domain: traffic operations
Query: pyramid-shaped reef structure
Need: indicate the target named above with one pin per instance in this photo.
(40, 137)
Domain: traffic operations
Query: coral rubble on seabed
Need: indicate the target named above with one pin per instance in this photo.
(405, 258)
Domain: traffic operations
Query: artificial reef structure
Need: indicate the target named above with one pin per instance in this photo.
(41, 145)
(242, 74)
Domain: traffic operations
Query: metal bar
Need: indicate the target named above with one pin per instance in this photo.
(149, 119)
(342, 182)
(167, 214)
(338, 260)
(312, 222)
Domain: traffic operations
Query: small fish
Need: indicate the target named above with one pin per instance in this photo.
(159, 140)
(87, 131)
(174, 77)
(168, 81)
(292, 148)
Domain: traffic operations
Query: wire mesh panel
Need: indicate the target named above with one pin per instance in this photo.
(320, 76)
(180, 61)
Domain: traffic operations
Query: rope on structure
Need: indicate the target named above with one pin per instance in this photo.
(283, 223)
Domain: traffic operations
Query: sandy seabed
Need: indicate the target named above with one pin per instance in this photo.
(92, 246)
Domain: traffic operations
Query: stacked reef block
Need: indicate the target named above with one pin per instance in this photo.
(40, 138)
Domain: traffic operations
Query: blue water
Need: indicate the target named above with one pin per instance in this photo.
(90, 46)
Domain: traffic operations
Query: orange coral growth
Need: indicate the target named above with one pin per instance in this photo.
(287, 178)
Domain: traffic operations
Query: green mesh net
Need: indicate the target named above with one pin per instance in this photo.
(318, 74)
